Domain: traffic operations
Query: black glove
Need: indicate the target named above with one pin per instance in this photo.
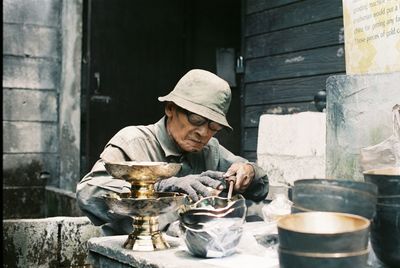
(193, 185)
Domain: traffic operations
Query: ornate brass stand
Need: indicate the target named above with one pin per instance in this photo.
(144, 205)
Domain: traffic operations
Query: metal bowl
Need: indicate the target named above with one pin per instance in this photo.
(387, 180)
(160, 204)
(142, 172)
(323, 239)
(385, 226)
(335, 195)
(213, 226)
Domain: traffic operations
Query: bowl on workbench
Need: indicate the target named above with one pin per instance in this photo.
(213, 226)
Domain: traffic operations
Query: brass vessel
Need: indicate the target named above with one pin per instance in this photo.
(144, 204)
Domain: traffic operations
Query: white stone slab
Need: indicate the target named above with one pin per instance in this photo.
(292, 147)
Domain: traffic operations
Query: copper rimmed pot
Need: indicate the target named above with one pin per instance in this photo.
(385, 226)
(323, 239)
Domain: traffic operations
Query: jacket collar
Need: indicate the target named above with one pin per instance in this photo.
(166, 142)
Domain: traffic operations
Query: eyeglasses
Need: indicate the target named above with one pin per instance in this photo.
(198, 120)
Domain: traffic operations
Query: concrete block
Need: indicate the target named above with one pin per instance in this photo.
(47, 242)
(29, 105)
(30, 243)
(359, 114)
(29, 137)
(24, 169)
(32, 73)
(75, 233)
(28, 174)
(288, 169)
(38, 12)
(30, 41)
(292, 147)
(23, 202)
(61, 202)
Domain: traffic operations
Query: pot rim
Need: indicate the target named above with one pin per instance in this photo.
(390, 171)
(282, 222)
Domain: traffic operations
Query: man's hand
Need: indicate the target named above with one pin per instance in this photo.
(195, 186)
(244, 173)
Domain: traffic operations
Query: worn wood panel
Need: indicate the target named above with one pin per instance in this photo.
(19, 72)
(300, 13)
(253, 113)
(29, 105)
(30, 41)
(283, 91)
(305, 63)
(259, 5)
(314, 35)
(250, 139)
(29, 137)
(38, 12)
(251, 156)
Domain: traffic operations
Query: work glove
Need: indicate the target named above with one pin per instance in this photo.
(216, 175)
(196, 186)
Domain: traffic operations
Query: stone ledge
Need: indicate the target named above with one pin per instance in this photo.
(47, 242)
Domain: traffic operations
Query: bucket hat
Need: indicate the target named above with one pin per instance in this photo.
(203, 93)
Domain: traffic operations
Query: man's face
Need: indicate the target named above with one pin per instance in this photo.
(188, 136)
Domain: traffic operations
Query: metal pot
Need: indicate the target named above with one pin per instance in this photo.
(388, 182)
(385, 226)
(323, 239)
(346, 196)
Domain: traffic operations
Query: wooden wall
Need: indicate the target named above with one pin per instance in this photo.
(290, 48)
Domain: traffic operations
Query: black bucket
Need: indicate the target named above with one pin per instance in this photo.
(323, 239)
(385, 226)
(346, 196)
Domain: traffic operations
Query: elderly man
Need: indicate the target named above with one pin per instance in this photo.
(194, 112)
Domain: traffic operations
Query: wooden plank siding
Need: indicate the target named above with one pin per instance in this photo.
(290, 49)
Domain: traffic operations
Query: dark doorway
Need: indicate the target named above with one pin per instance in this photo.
(135, 51)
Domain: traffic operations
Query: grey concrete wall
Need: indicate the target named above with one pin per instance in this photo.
(70, 95)
(31, 79)
(41, 99)
(359, 114)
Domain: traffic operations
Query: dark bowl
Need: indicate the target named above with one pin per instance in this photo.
(295, 260)
(323, 239)
(385, 226)
(323, 232)
(385, 234)
(335, 195)
(387, 180)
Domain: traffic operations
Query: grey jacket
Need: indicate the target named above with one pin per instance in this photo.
(152, 143)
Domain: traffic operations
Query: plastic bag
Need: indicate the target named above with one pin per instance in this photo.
(278, 207)
(384, 154)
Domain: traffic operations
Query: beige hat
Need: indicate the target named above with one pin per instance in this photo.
(203, 93)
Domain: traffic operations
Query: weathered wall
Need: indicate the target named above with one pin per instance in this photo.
(359, 114)
(70, 95)
(290, 49)
(52, 242)
(31, 78)
(41, 101)
(292, 146)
